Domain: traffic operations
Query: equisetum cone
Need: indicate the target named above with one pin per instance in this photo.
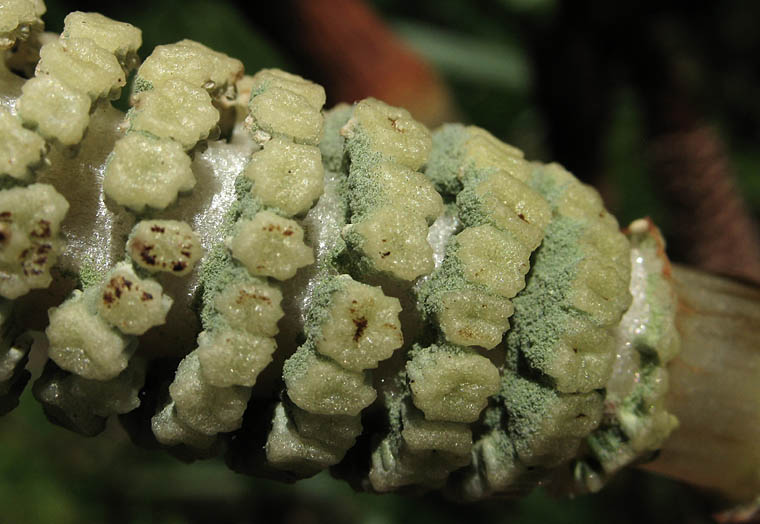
(235, 271)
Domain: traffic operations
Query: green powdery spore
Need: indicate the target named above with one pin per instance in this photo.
(420, 470)
(348, 256)
(298, 363)
(542, 312)
(259, 89)
(450, 382)
(140, 84)
(245, 207)
(364, 193)
(609, 446)
(506, 448)
(495, 468)
(443, 165)
(335, 391)
(332, 144)
(334, 160)
(394, 398)
(130, 116)
(470, 205)
(358, 192)
(527, 430)
(542, 309)
(448, 277)
(614, 446)
(219, 269)
(493, 415)
(525, 403)
(338, 251)
(420, 354)
(547, 185)
(89, 275)
(319, 307)
(546, 426)
(639, 402)
(639, 422)
(471, 211)
(218, 272)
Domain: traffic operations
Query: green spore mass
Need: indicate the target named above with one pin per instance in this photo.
(218, 272)
(443, 166)
(320, 303)
(363, 192)
(89, 275)
(541, 309)
(333, 144)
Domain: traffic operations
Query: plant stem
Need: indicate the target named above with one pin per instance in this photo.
(715, 387)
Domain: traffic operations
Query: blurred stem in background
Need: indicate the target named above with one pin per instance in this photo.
(593, 47)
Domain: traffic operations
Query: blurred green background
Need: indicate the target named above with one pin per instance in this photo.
(50, 475)
(496, 58)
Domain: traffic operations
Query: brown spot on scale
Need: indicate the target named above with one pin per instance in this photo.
(287, 232)
(146, 296)
(145, 252)
(157, 229)
(361, 325)
(179, 266)
(394, 125)
(245, 295)
(118, 284)
(108, 298)
(42, 230)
